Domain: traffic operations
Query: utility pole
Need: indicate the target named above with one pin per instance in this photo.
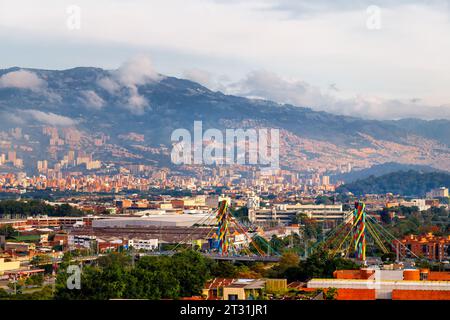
(15, 284)
(53, 274)
(160, 236)
(398, 252)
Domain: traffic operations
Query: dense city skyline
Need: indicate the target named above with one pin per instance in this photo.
(221, 151)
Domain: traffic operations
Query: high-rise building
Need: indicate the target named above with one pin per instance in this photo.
(12, 156)
(18, 163)
(441, 192)
(253, 202)
(42, 165)
(71, 156)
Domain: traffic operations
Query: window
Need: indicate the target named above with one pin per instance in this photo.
(424, 249)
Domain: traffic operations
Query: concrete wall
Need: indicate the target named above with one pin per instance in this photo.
(383, 289)
(439, 276)
(420, 295)
(240, 292)
(356, 294)
(276, 285)
(7, 266)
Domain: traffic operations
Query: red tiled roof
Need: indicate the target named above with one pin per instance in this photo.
(218, 283)
(296, 285)
(192, 298)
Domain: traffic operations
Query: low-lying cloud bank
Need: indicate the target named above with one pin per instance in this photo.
(267, 85)
(48, 118)
(22, 79)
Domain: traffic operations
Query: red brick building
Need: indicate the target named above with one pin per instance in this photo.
(428, 246)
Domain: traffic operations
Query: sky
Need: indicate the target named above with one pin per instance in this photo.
(373, 59)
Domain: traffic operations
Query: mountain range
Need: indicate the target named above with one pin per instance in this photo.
(128, 115)
(407, 183)
(381, 170)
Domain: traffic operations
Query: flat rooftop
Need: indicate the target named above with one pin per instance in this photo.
(157, 220)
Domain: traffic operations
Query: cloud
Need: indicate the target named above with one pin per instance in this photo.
(319, 41)
(22, 79)
(307, 7)
(48, 118)
(203, 77)
(372, 107)
(138, 70)
(135, 72)
(207, 79)
(270, 86)
(135, 102)
(109, 85)
(12, 118)
(92, 99)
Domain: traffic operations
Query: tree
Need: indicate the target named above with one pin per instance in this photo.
(330, 294)
(324, 200)
(183, 274)
(107, 281)
(289, 259)
(388, 257)
(8, 231)
(246, 272)
(114, 260)
(3, 294)
(40, 260)
(35, 280)
(276, 244)
(407, 183)
(145, 284)
(223, 269)
(241, 214)
(190, 269)
(294, 273)
(23, 208)
(318, 265)
(154, 279)
(289, 263)
(44, 294)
